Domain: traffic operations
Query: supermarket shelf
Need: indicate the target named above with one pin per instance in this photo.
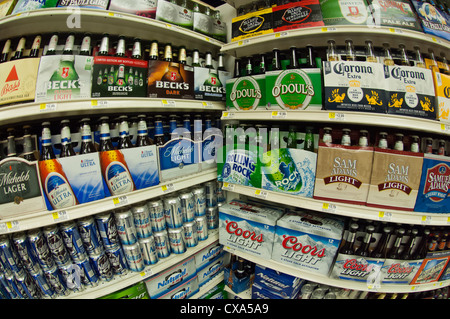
(348, 284)
(132, 278)
(217, 279)
(246, 294)
(340, 117)
(90, 20)
(318, 37)
(41, 219)
(36, 111)
(349, 210)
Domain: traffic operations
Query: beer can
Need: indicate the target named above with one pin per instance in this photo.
(38, 245)
(142, 221)
(173, 212)
(133, 255)
(211, 193)
(26, 286)
(202, 228)
(212, 217)
(117, 260)
(8, 256)
(88, 274)
(26, 254)
(16, 289)
(41, 282)
(187, 206)
(220, 194)
(190, 234)
(56, 281)
(72, 239)
(162, 244)
(199, 200)
(125, 226)
(7, 290)
(176, 240)
(148, 249)
(71, 275)
(157, 217)
(108, 230)
(55, 243)
(102, 266)
(90, 235)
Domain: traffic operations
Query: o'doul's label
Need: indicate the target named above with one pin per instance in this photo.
(245, 93)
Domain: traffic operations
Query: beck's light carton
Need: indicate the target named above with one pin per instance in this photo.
(307, 241)
(248, 227)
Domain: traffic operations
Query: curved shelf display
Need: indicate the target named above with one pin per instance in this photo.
(348, 284)
(318, 36)
(340, 117)
(41, 219)
(349, 210)
(51, 19)
(132, 278)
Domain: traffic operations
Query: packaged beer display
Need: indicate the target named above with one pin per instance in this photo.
(29, 5)
(294, 15)
(307, 240)
(432, 19)
(394, 13)
(178, 14)
(273, 284)
(346, 12)
(143, 8)
(209, 22)
(136, 291)
(93, 4)
(257, 21)
(442, 86)
(6, 7)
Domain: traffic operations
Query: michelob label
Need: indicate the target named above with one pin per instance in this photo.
(29, 5)
(246, 93)
(252, 24)
(442, 87)
(410, 91)
(297, 89)
(143, 165)
(178, 157)
(394, 13)
(354, 86)
(116, 172)
(64, 77)
(345, 12)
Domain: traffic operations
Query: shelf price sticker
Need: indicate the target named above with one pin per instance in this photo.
(448, 220)
(9, 226)
(281, 34)
(228, 186)
(168, 188)
(333, 116)
(47, 107)
(97, 103)
(393, 30)
(227, 115)
(207, 105)
(60, 216)
(261, 194)
(327, 29)
(120, 201)
(170, 103)
(385, 216)
(277, 115)
(445, 128)
(425, 220)
(329, 208)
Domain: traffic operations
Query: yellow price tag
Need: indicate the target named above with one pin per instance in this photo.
(142, 273)
(9, 225)
(332, 115)
(42, 106)
(164, 188)
(324, 29)
(94, 102)
(325, 206)
(55, 215)
(116, 200)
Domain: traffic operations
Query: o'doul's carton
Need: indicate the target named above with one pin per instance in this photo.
(307, 241)
(245, 93)
(248, 227)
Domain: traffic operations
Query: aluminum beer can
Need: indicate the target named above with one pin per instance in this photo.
(162, 244)
(26, 286)
(72, 239)
(148, 248)
(187, 206)
(7, 290)
(26, 254)
(90, 235)
(173, 212)
(176, 240)
(108, 230)
(56, 245)
(142, 222)
(202, 228)
(199, 200)
(102, 266)
(41, 282)
(211, 193)
(88, 275)
(220, 194)
(38, 245)
(16, 290)
(125, 226)
(190, 234)
(133, 255)
(117, 260)
(8, 256)
(71, 275)
(212, 217)
(157, 217)
(56, 281)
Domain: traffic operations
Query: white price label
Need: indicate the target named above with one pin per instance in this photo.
(168, 188)
(261, 194)
(278, 115)
(445, 128)
(425, 220)
(47, 107)
(97, 103)
(327, 29)
(207, 105)
(333, 116)
(281, 34)
(170, 103)
(227, 115)
(228, 186)
(120, 201)
(9, 226)
(385, 216)
(329, 208)
(60, 216)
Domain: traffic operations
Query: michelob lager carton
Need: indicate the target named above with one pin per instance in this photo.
(94, 4)
(170, 80)
(345, 12)
(246, 93)
(354, 86)
(64, 77)
(442, 87)
(171, 12)
(433, 20)
(394, 13)
(410, 91)
(30, 5)
(252, 24)
(143, 8)
(296, 15)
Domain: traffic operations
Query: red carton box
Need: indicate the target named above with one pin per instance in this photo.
(294, 15)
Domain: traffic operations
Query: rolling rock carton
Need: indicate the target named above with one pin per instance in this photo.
(143, 8)
(296, 15)
(249, 228)
(29, 5)
(343, 172)
(307, 241)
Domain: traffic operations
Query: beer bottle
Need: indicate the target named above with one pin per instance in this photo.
(407, 253)
(445, 67)
(240, 270)
(124, 137)
(159, 131)
(173, 124)
(182, 56)
(68, 47)
(346, 140)
(441, 149)
(415, 144)
(28, 147)
(168, 52)
(363, 250)
(105, 137)
(111, 76)
(11, 143)
(434, 241)
(399, 146)
(404, 55)
(443, 241)
(237, 68)
(382, 141)
(66, 141)
(137, 51)
(19, 50)
(309, 139)
(331, 51)
(350, 51)
(394, 251)
(363, 141)
(86, 45)
(262, 64)
(276, 61)
(292, 137)
(187, 126)
(327, 138)
(347, 248)
(380, 251)
(87, 146)
(293, 58)
(370, 52)
(153, 55)
(121, 47)
(51, 50)
(429, 145)
(196, 58)
(387, 58)
(249, 66)
(5, 52)
(198, 128)
(422, 250)
(142, 134)
(208, 60)
(221, 66)
(104, 45)
(433, 66)
(34, 53)
(310, 59)
(46, 140)
(420, 63)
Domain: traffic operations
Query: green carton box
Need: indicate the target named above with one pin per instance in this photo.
(137, 291)
(246, 93)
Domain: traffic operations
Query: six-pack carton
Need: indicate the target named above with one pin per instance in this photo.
(170, 80)
(246, 93)
(294, 15)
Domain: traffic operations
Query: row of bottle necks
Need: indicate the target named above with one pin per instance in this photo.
(121, 47)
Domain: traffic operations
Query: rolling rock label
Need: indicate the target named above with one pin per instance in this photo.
(29, 5)
(246, 93)
(252, 24)
(395, 13)
(410, 91)
(354, 86)
(343, 173)
(345, 12)
(395, 179)
(298, 89)
(434, 194)
(297, 15)
(442, 87)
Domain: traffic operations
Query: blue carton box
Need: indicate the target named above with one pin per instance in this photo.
(283, 285)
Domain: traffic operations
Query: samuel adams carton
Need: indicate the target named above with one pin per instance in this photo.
(249, 228)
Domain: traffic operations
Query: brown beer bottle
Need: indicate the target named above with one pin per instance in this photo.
(381, 250)
(348, 246)
(394, 252)
(363, 250)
